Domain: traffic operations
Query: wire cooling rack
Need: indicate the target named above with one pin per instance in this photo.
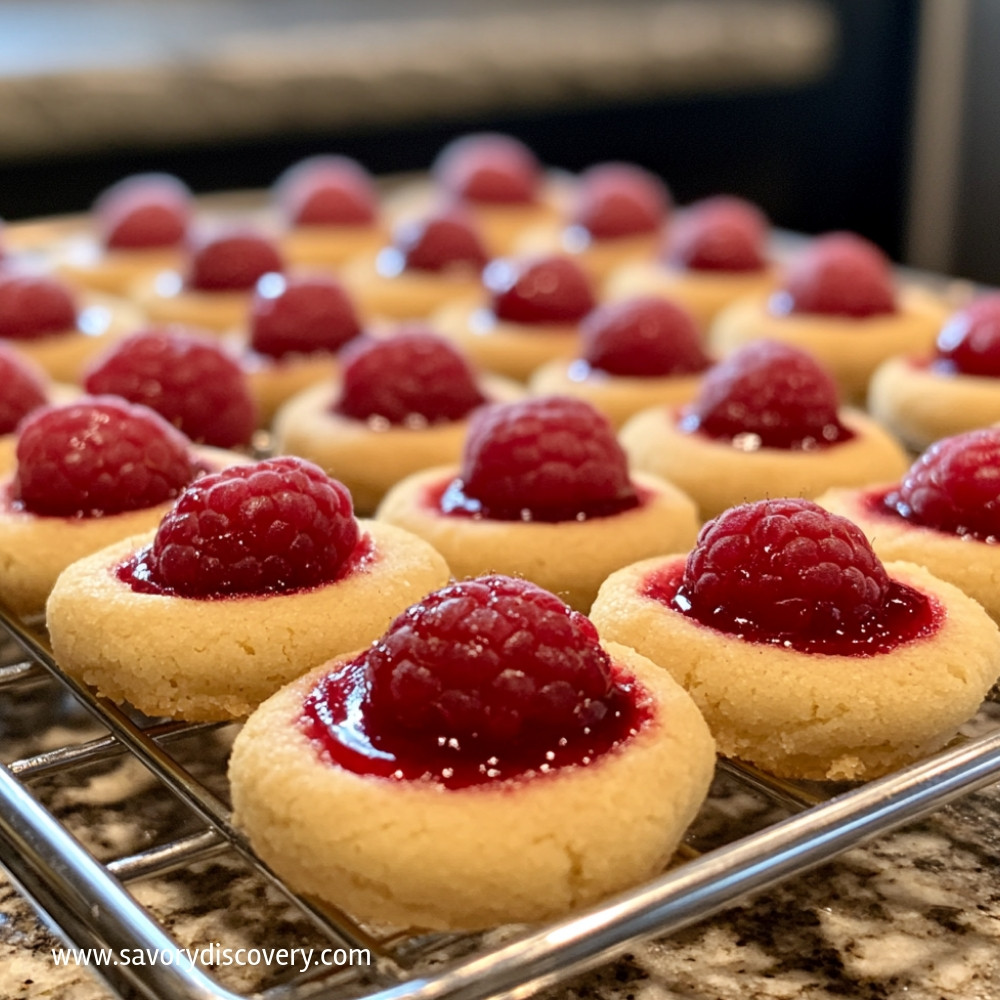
(90, 902)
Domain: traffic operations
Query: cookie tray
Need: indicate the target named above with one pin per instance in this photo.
(87, 901)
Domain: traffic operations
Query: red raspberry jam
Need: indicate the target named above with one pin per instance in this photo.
(485, 680)
(907, 615)
(138, 575)
(449, 497)
(789, 573)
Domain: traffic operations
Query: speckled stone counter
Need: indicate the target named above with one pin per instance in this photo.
(914, 914)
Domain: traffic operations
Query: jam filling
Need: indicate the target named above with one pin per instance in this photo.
(137, 574)
(334, 717)
(889, 502)
(784, 437)
(906, 616)
(450, 498)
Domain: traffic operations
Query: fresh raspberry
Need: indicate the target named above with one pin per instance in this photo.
(22, 389)
(440, 242)
(488, 167)
(785, 567)
(327, 190)
(721, 233)
(33, 306)
(280, 524)
(144, 211)
(969, 342)
(414, 377)
(545, 453)
(232, 261)
(776, 393)
(493, 660)
(536, 290)
(642, 337)
(303, 315)
(620, 199)
(187, 379)
(839, 274)
(955, 485)
(97, 456)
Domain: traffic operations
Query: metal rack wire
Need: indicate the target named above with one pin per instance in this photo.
(90, 903)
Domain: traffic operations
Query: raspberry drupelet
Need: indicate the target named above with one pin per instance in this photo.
(943, 513)
(809, 657)
(255, 575)
(189, 379)
(487, 738)
(765, 421)
(543, 491)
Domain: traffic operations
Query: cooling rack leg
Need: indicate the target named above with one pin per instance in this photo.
(79, 896)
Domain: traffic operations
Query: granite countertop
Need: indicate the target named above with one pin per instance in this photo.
(78, 76)
(914, 914)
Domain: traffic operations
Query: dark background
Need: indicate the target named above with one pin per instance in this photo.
(832, 154)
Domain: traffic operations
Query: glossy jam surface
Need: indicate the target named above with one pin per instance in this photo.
(138, 575)
(830, 434)
(450, 498)
(334, 716)
(906, 616)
